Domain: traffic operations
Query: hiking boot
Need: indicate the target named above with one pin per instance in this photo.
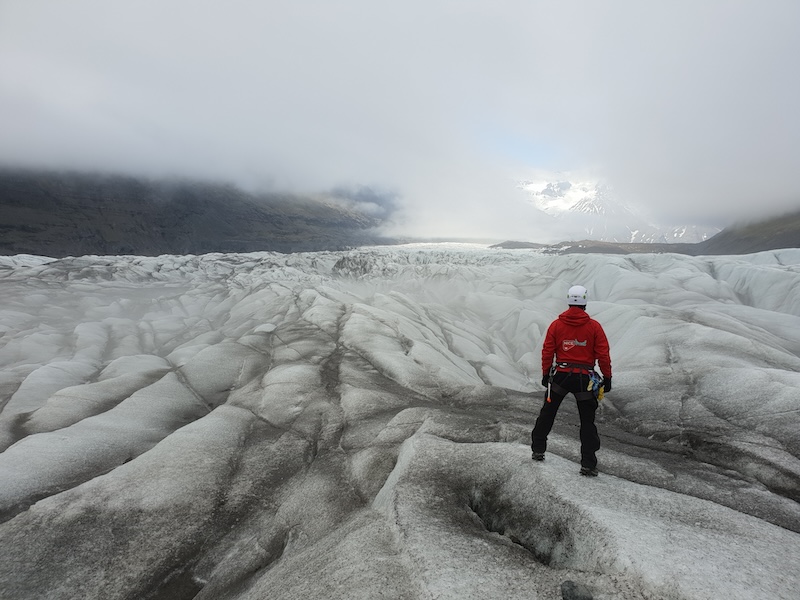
(589, 471)
(537, 455)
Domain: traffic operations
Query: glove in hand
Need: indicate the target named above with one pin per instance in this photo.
(545, 379)
(606, 385)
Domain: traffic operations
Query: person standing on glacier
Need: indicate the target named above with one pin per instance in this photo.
(574, 343)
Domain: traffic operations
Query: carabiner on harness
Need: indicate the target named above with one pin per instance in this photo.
(595, 385)
(550, 382)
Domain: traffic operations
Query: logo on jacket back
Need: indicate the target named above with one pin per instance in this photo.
(570, 344)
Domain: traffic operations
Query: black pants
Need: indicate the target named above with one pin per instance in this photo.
(574, 383)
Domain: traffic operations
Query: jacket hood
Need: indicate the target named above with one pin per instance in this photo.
(574, 316)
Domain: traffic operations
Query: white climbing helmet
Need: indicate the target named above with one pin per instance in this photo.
(577, 295)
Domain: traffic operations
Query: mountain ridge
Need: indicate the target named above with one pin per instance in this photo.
(774, 233)
(60, 214)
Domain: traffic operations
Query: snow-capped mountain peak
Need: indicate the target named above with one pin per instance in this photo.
(555, 198)
(591, 209)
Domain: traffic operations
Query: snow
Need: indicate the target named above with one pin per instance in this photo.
(356, 425)
(592, 207)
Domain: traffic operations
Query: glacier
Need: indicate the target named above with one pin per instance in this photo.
(356, 425)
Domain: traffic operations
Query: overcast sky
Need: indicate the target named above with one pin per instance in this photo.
(688, 109)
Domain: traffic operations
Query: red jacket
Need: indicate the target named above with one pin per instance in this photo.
(574, 337)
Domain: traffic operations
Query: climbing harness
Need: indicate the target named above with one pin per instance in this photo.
(574, 369)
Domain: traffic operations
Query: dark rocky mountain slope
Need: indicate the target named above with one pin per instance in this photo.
(771, 234)
(62, 214)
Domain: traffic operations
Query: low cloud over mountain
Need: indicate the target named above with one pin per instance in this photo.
(70, 214)
(60, 214)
